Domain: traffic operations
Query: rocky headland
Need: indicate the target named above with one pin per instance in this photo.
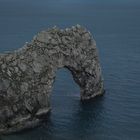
(27, 74)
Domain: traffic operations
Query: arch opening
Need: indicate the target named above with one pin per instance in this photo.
(64, 84)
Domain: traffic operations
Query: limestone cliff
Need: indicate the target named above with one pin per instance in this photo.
(27, 75)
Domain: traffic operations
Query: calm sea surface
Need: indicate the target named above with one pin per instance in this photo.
(116, 28)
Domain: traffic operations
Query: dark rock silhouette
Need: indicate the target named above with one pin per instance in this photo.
(27, 75)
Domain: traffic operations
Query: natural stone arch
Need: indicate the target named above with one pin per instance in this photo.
(27, 75)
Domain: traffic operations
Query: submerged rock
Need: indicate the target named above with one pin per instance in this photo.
(27, 75)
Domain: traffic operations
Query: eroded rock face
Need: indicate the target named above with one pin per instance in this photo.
(27, 75)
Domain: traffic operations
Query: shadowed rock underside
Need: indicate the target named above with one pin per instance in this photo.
(27, 74)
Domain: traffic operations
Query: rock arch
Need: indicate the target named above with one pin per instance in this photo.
(27, 75)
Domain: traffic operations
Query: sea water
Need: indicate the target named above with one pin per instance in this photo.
(116, 29)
